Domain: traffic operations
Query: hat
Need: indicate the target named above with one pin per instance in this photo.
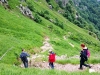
(82, 45)
(50, 50)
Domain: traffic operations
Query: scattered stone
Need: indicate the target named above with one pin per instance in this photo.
(50, 6)
(64, 37)
(46, 45)
(71, 44)
(62, 57)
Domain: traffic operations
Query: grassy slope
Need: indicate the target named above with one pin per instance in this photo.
(18, 31)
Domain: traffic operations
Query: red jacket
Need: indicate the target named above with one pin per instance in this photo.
(52, 57)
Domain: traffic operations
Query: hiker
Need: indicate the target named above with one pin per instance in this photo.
(24, 59)
(83, 57)
(51, 59)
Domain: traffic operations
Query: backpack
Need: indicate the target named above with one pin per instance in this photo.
(52, 57)
(23, 56)
(88, 53)
(84, 55)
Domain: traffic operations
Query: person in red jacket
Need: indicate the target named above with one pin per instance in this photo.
(51, 59)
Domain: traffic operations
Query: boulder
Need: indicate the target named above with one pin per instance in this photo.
(26, 11)
(4, 3)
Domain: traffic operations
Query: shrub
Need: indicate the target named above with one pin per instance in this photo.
(30, 6)
(45, 14)
(60, 4)
(37, 18)
(58, 23)
(48, 1)
(75, 37)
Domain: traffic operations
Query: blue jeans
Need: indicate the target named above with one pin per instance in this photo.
(51, 65)
(25, 63)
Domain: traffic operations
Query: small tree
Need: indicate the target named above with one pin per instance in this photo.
(60, 4)
(48, 0)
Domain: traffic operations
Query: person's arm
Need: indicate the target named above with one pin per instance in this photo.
(27, 54)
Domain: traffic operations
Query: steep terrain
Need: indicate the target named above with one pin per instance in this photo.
(37, 27)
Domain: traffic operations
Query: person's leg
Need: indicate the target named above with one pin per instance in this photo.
(86, 65)
(24, 63)
(81, 63)
(52, 65)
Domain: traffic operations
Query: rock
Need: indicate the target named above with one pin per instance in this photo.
(71, 44)
(91, 70)
(4, 3)
(26, 11)
(50, 6)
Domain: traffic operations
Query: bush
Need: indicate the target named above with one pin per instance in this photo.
(30, 6)
(37, 18)
(58, 23)
(60, 4)
(45, 14)
(48, 1)
(75, 37)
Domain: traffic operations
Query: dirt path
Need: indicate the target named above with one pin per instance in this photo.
(66, 67)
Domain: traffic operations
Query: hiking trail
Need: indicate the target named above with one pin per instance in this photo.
(36, 61)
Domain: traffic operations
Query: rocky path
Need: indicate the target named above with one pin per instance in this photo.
(65, 67)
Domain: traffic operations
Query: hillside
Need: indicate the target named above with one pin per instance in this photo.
(84, 14)
(18, 31)
(89, 10)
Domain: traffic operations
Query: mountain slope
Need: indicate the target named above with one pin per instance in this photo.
(89, 10)
(19, 31)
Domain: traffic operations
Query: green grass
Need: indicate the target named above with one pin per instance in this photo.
(69, 61)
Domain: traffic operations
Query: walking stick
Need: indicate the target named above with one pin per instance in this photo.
(6, 52)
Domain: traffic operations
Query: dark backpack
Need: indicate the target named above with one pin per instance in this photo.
(84, 56)
(23, 56)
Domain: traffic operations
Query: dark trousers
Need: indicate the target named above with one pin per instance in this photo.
(25, 62)
(51, 65)
(82, 62)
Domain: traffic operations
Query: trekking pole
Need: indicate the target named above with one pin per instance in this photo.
(6, 52)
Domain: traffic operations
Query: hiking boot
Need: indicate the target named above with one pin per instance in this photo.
(80, 68)
(90, 66)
